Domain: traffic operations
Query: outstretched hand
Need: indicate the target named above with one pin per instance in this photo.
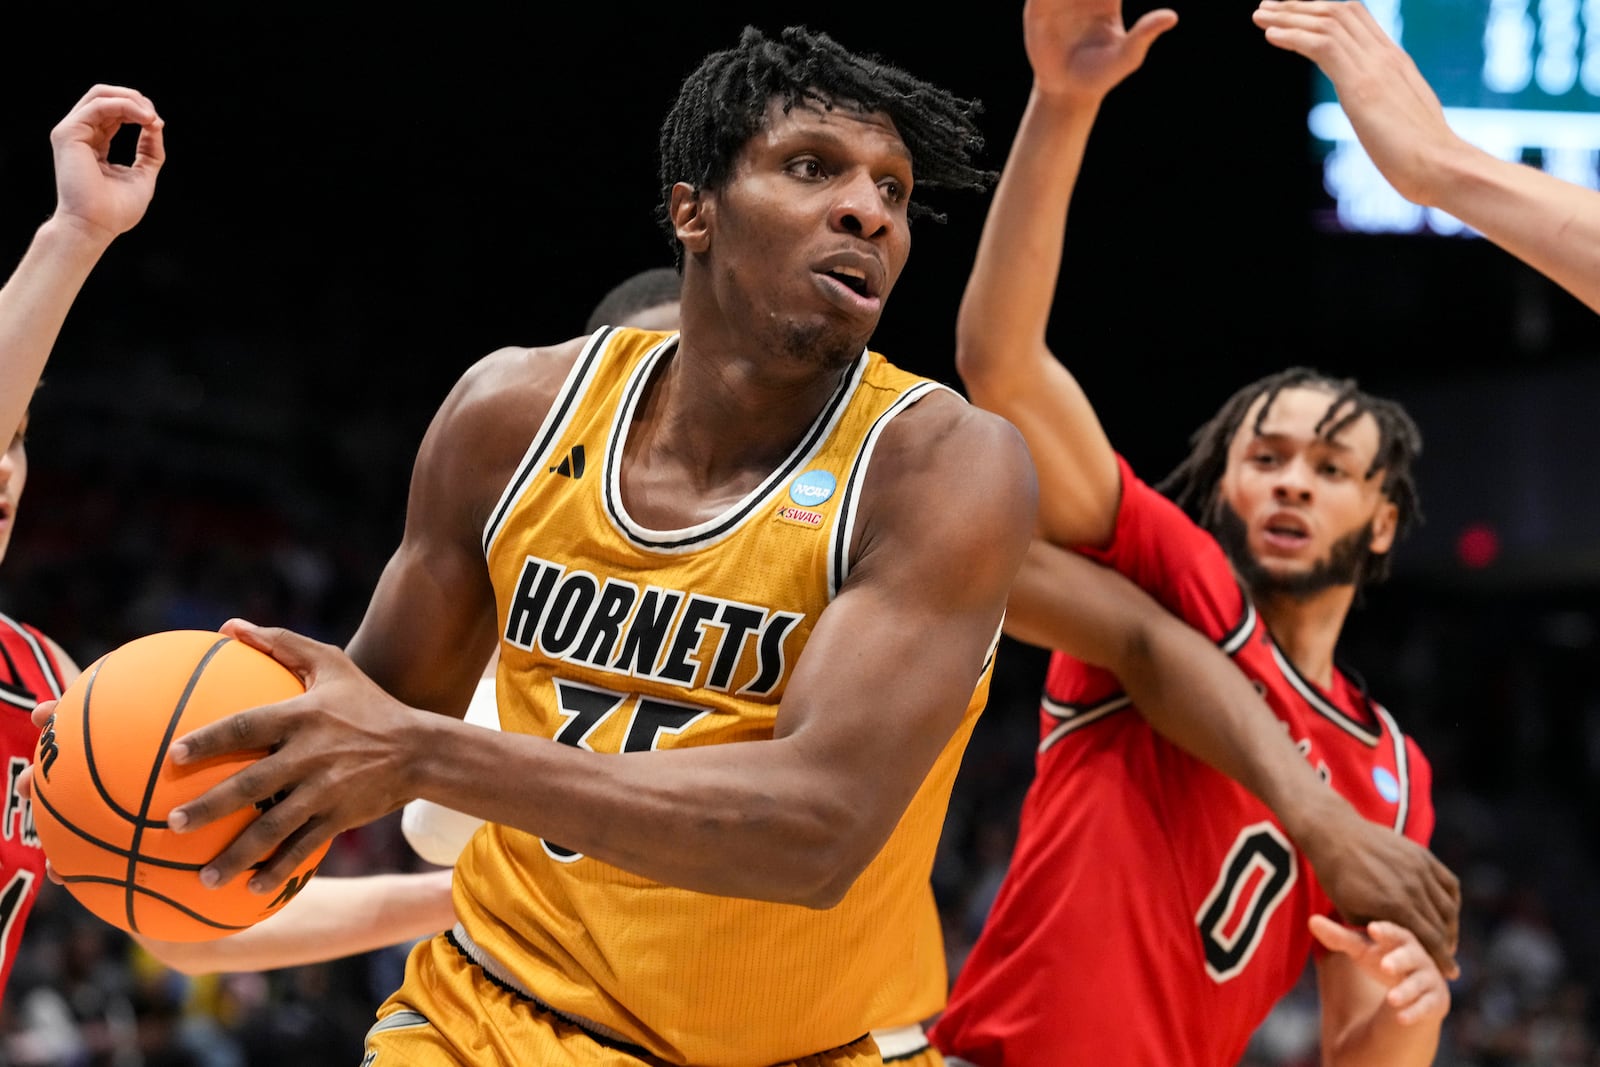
(338, 752)
(106, 198)
(1392, 956)
(1081, 48)
(1371, 873)
(1394, 111)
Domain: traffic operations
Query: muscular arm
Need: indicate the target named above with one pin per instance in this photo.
(1079, 52)
(96, 200)
(1193, 695)
(880, 688)
(1549, 224)
(332, 917)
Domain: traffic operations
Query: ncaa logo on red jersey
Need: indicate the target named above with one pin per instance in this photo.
(1388, 787)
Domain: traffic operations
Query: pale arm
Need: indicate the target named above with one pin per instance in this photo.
(1383, 1000)
(332, 917)
(1079, 52)
(1551, 225)
(96, 200)
(1192, 694)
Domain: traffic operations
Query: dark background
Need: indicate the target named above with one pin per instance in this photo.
(361, 200)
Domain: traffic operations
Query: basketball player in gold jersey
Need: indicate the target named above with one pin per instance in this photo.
(746, 582)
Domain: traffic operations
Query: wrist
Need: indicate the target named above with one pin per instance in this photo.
(67, 234)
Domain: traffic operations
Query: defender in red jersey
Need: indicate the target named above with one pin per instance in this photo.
(1155, 910)
(96, 201)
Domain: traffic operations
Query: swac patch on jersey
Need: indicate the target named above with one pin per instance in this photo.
(811, 520)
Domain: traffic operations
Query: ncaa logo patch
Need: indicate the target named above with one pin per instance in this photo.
(1388, 788)
(812, 488)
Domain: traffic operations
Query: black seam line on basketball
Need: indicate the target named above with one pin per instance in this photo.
(95, 879)
(150, 781)
(819, 426)
(557, 419)
(88, 748)
(117, 850)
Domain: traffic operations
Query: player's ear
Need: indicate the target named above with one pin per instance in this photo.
(1385, 522)
(691, 217)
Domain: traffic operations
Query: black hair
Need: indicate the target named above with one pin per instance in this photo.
(635, 293)
(724, 102)
(1194, 484)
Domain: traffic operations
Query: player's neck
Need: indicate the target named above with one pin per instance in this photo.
(720, 420)
(1307, 628)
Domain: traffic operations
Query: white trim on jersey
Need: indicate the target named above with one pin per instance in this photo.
(844, 523)
(1319, 703)
(719, 527)
(1402, 767)
(1075, 718)
(51, 678)
(550, 430)
(1233, 642)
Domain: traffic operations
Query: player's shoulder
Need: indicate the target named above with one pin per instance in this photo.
(514, 377)
(945, 430)
(945, 456)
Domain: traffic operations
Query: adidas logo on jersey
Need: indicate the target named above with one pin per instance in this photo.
(571, 465)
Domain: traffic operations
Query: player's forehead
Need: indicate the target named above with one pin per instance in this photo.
(1301, 415)
(839, 124)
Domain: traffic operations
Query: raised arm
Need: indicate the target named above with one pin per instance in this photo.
(1550, 224)
(879, 690)
(1383, 999)
(96, 200)
(1079, 51)
(1193, 695)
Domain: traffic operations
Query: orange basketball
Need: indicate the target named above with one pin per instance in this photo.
(103, 785)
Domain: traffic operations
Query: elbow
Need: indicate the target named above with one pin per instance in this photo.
(830, 845)
(975, 362)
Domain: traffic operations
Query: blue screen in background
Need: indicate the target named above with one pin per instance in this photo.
(1518, 78)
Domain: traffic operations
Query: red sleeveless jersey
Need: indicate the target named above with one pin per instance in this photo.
(28, 674)
(1154, 910)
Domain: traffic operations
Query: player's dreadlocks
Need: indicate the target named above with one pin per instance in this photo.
(724, 103)
(1193, 484)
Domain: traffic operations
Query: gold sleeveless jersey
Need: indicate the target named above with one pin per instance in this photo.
(619, 638)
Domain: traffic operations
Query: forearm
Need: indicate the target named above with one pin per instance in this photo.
(34, 305)
(332, 917)
(1007, 301)
(747, 819)
(1552, 225)
(1201, 702)
(1381, 1040)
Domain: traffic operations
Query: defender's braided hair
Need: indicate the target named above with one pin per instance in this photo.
(1194, 484)
(723, 103)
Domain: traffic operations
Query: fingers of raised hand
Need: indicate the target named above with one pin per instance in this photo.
(103, 117)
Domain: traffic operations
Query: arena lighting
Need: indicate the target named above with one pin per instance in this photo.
(1518, 78)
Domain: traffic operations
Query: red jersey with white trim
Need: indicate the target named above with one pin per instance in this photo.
(1155, 910)
(28, 674)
